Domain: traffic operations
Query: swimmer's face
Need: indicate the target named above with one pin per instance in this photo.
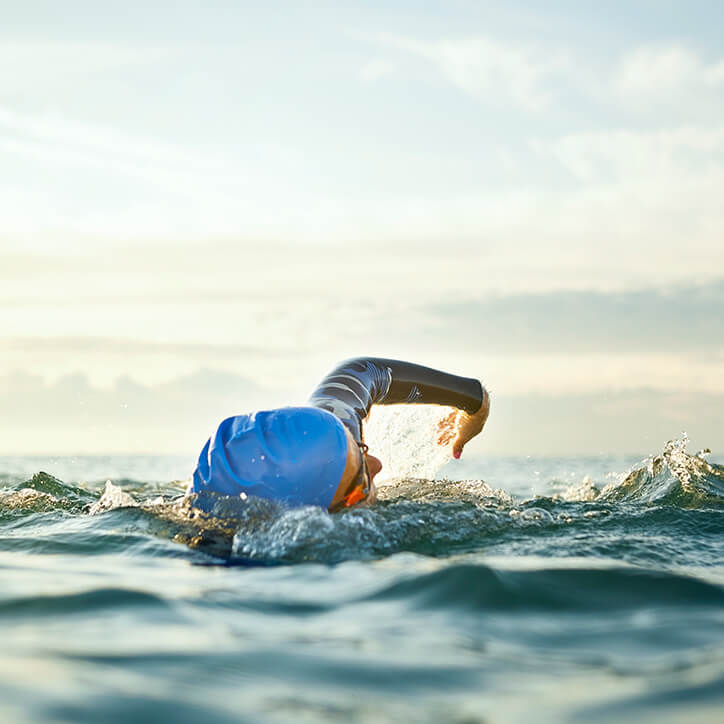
(351, 476)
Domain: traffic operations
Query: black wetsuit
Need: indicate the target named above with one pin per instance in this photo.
(350, 390)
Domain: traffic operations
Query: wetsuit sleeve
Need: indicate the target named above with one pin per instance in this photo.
(350, 390)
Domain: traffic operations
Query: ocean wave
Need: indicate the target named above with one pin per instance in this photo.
(674, 478)
(478, 587)
(428, 517)
(78, 603)
(42, 493)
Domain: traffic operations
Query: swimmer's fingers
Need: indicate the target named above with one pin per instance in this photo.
(447, 428)
(468, 427)
(448, 421)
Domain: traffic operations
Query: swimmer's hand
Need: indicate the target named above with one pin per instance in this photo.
(461, 427)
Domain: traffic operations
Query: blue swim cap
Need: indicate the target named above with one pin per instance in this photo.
(295, 455)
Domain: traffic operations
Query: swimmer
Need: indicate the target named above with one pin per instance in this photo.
(316, 455)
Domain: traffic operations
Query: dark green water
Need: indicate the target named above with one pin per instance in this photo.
(567, 590)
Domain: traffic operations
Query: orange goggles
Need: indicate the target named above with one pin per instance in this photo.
(360, 485)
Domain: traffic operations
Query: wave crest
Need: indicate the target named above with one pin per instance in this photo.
(672, 478)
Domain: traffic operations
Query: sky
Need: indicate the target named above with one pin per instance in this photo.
(205, 206)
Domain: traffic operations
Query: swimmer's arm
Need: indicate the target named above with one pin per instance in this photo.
(413, 383)
(350, 390)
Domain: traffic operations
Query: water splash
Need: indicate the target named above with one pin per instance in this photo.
(113, 497)
(674, 477)
(477, 492)
(405, 437)
(27, 500)
(585, 491)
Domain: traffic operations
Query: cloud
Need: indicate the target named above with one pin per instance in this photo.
(537, 78)
(488, 70)
(56, 139)
(664, 70)
(115, 184)
(627, 155)
(149, 361)
(678, 321)
(155, 317)
(644, 195)
(376, 69)
(105, 358)
(72, 416)
(54, 127)
(631, 422)
(85, 345)
(49, 65)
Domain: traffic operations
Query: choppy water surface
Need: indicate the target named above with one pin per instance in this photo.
(582, 589)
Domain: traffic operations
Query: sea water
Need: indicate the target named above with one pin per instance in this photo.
(579, 589)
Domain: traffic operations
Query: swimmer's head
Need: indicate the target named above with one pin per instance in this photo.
(296, 455)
